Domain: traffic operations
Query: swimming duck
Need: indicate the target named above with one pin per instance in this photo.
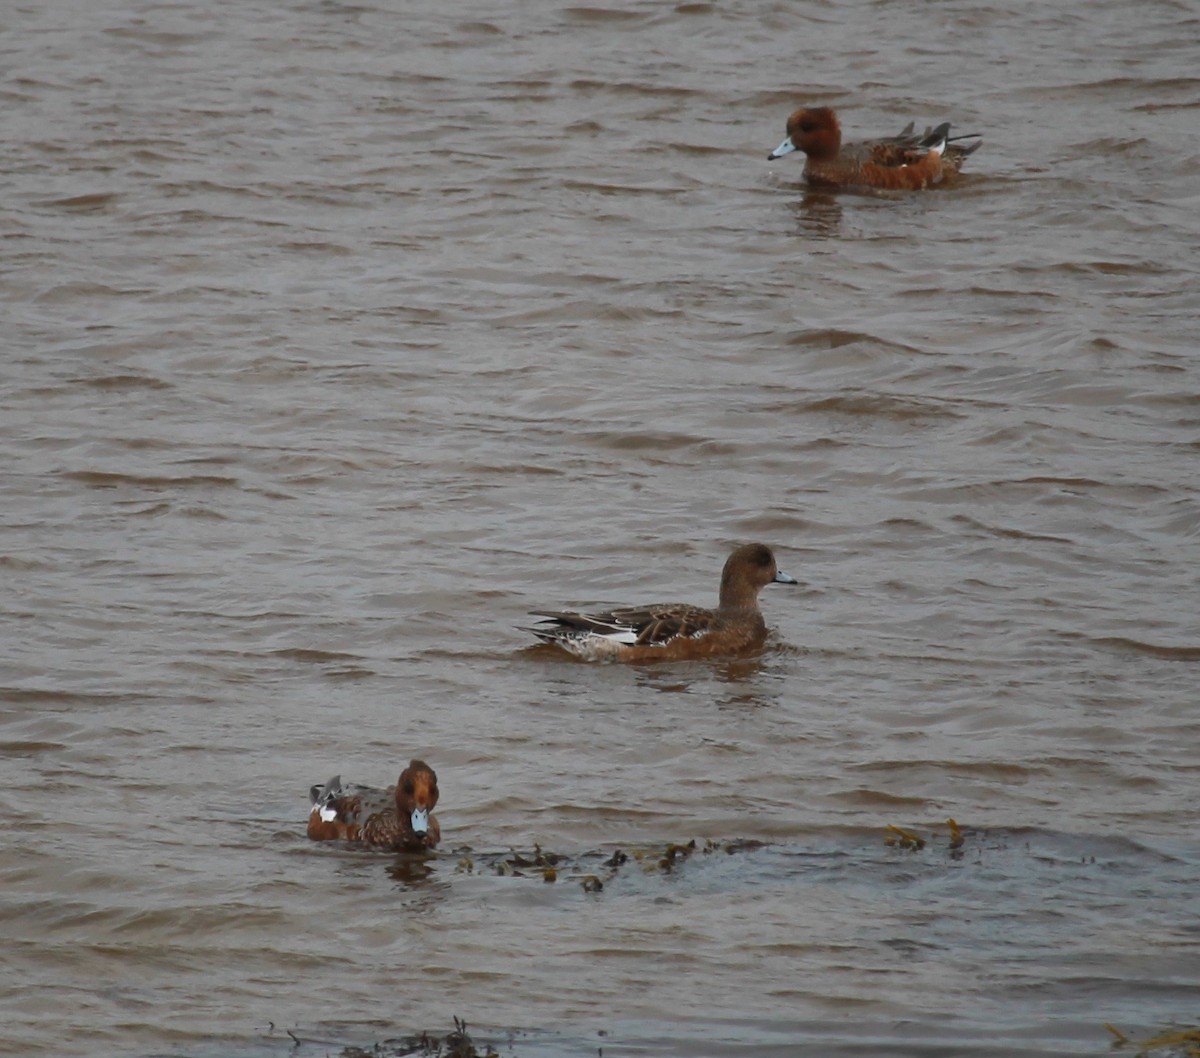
(907, 161)
(399, 818)
(674, 631)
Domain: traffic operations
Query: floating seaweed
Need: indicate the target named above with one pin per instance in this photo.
(592, 870)
(519, 864)
(956, 834)
(456, 1044)
(1174, 1043)
(911, 841)
(898, 837)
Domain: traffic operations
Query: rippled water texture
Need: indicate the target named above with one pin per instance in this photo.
(338, 336)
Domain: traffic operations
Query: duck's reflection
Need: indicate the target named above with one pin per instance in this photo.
(739, 670)
(413, 871)
(818, 215)
(742, 682)
(423, 882)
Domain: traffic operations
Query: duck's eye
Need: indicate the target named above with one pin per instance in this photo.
(408, 787)
(807, 126)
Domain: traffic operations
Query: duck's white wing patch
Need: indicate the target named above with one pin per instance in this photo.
(323, 798)
(593, 646)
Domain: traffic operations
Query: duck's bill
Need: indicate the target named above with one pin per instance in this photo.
(783, 578)
(420, 821)
(786, 147)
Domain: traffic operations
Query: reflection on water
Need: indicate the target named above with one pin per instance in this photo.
(817, 215)
(415, 872)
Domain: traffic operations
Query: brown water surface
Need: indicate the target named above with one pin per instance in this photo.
(339, 335)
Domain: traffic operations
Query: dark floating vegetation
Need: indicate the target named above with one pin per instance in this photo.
(592, 870)
(595, 869)
(455, 1044)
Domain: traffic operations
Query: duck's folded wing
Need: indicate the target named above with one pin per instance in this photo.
(907, 148)
(633, 625)
(348, 803)
(335, 801)
(934, 137)
(565, 626)
(660, 624)
(320, 793)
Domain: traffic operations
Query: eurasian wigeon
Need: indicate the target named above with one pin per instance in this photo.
(399, 818)
(904, 162)
(675, 631)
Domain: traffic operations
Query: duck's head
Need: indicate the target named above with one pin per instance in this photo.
(813, 130)
(416, 796)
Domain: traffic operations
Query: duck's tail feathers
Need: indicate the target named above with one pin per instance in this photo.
(965, 149)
